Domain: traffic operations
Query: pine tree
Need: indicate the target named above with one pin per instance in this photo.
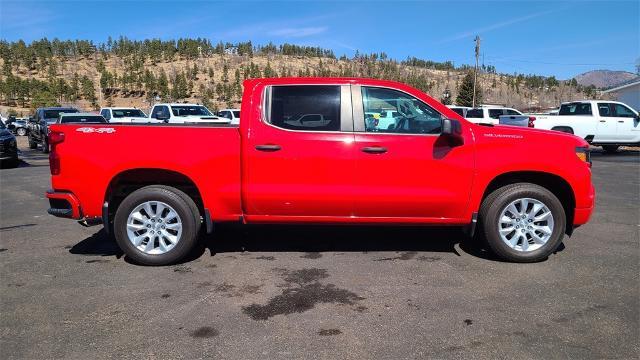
(465, 92)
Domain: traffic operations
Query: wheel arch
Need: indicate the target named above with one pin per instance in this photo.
(552, 182)
(128, 181)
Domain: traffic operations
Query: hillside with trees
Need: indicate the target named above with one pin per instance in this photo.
(126, 72)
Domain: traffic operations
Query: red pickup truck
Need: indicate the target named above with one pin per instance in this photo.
(318, 150)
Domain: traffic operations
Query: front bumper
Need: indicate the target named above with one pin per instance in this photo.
(583, 214)
(64, 204)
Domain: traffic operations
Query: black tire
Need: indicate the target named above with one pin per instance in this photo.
(610, 149)
(45, 145)
(180, 202)
(32, 144)
(493, 205)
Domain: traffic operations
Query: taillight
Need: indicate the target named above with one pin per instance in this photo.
(531, 120)
(55, 138)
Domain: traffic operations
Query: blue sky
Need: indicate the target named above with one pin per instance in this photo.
(541, 37)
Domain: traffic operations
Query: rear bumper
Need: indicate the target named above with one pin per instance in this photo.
(64, 204)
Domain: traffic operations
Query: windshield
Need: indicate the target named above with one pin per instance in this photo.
(54, 114)
(575, 109)
(128, 113)
(474, 113)
(187, 110)
(92, 119)
(236, 114)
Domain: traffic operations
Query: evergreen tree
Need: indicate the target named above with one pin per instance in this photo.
(465, 92)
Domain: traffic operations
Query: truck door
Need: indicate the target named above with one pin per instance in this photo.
(407, 170)
(300, 153)
(606, 126)
(627, 124)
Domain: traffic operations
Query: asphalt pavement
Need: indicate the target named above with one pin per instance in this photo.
(335, 292)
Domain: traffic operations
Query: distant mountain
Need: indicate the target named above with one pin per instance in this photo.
(604, 78)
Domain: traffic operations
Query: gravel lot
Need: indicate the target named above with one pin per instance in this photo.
(318, 292)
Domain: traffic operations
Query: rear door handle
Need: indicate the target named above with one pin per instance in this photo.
(268, 147)
(374, 150)
(603, 120)
(621, 121)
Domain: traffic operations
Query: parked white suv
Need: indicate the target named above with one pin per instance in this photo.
(125, 115)
(231, 114)
(609, 124)
(489, 114)
(184, 114)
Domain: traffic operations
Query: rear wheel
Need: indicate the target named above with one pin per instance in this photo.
(522, 222)
(610, 149)
(157, 225)
(21, 131)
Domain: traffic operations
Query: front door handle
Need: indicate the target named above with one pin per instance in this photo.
(374, 150)
(603, 120)
(268, 147)
(621, 121)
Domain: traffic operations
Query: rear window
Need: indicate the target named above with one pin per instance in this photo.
(82, 119)
(55, 114)
(310, 107)
(127, 113)
(475, 113)
(575, 109)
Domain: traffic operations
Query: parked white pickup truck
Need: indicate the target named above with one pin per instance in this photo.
(125, 115)
(185, 113)
(489, 114)
(608, 124)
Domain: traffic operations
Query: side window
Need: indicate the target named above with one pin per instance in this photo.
(226, 114)
(105, 113)
(512, 112)
(410, 115)
(160, 111)
(305, 107)
(495, 113)
(603, 109)
(583, 109)
(623, 111)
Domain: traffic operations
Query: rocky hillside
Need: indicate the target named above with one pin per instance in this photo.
(137, 73)
(604, 79)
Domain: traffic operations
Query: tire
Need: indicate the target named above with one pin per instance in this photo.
(491, 222)
(45, 145)
(21, 131)
(610, 149)
(155, 253)
(32, 144)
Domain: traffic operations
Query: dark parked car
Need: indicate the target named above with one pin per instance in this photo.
(8, 146)
(39, 125)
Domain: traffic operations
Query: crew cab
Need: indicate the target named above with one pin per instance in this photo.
(431, 167)
(609, 124)
(185, 113)
(125, 115)
(39, 125)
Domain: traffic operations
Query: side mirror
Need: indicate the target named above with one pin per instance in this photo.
(452, 130)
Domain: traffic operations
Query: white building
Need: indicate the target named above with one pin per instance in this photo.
(628, 93)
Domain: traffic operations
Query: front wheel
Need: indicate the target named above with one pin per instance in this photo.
(523, 222)
(32, 143)
(45, 145)
(156, 225)
(21, 131)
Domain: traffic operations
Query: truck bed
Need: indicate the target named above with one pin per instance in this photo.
(206, 154)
